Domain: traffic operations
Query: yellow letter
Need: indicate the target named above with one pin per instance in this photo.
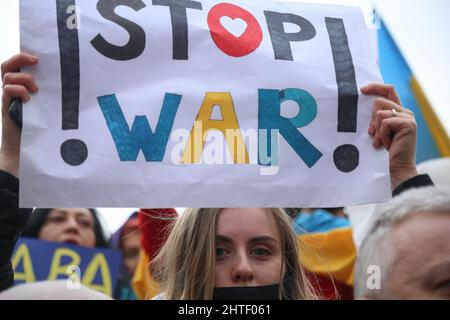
(97, 262)
(56, 267)
(23, 254)
(203, 123)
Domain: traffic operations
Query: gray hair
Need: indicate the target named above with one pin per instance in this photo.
(376, 249)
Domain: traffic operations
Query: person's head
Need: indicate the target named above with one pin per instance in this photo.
(80, 226)
(128, 240)
(406, 254)
(240, 247)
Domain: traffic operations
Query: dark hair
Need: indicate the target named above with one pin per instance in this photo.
(39, 217)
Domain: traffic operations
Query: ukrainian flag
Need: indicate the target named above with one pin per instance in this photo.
(432, 139)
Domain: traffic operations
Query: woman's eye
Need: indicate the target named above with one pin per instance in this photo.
(57, 219)
(85, 224)
(261, 252)
(220, 252)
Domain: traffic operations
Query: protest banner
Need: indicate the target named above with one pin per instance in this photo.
(189, 103)
(36, 260)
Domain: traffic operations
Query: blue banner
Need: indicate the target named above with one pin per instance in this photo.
(36, 260)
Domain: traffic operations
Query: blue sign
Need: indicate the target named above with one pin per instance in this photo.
(36, 260)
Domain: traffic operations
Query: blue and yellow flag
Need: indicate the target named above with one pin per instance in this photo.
(432, 139)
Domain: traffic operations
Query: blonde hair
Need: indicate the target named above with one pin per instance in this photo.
(185, 266)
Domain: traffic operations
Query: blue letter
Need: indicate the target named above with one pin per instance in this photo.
(128, 143)
(269, 117)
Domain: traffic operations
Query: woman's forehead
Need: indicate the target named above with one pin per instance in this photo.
(77, 211)
(247, 222)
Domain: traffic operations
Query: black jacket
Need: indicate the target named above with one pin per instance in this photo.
(12, 222)
(13, 219)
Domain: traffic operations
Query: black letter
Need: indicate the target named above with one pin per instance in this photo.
(280, 39)
(135, 45)
(179, 24)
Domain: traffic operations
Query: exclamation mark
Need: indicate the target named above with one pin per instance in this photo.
(74, 151)
(346, 157)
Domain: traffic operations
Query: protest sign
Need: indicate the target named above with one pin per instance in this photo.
(35, 260)
(189, 103)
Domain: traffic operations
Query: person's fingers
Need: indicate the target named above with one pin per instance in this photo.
(383, 90)
(376, 141)
(379, 117)
(391, 127)
(385, 104)
(385, 133)
(11, 91)
(385, 114)
(382, 104)
(21, 78)
(16, 62)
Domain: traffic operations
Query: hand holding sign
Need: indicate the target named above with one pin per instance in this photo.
(16, 84)
(395, 128)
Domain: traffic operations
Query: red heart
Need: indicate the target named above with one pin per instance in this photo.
(231, 45)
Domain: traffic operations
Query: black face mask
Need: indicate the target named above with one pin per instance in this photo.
(247, 293)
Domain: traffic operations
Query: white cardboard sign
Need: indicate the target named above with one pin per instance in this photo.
(183, 103)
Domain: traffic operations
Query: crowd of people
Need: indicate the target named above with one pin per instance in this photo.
(249, 253)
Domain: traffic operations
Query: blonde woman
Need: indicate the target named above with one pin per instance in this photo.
(235, 253)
